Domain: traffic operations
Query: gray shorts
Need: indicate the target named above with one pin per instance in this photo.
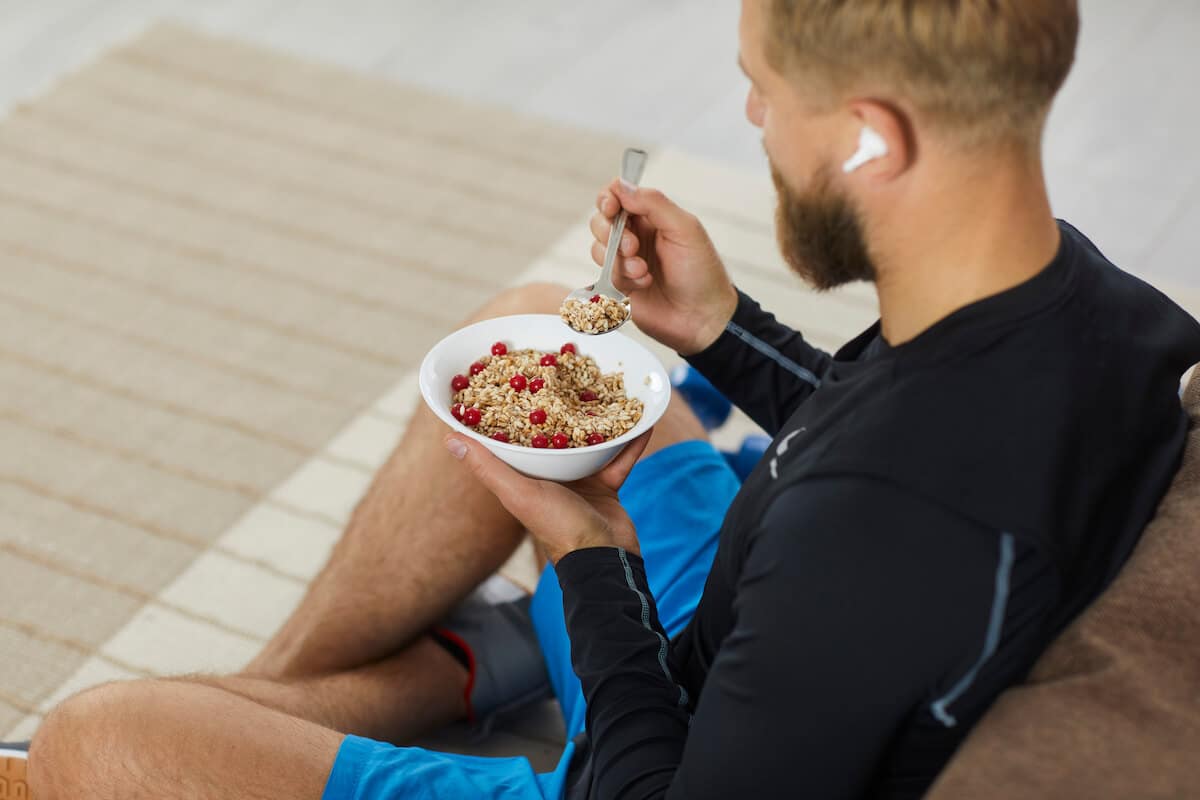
(493, 633)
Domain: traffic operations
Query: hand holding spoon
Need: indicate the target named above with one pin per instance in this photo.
(601, 307)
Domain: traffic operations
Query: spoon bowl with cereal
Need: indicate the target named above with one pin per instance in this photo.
(602, 308)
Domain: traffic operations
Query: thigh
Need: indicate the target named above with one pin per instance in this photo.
(677, 499)
(168, 740)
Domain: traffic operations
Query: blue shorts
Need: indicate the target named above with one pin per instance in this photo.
(677, 499)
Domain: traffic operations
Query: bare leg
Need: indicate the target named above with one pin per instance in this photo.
(400, 697)
(165, 740)
(353, 656)
(424, 536)
(395, 700)
(351, 659)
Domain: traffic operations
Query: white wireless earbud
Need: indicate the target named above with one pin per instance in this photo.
(870, 147)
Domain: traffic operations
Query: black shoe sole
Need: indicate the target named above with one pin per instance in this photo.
(14, 784)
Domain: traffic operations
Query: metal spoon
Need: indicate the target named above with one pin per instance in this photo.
(633, 163)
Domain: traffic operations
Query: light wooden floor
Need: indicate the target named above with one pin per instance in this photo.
(1121, 149)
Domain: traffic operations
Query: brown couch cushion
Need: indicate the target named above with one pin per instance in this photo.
(1112, 708)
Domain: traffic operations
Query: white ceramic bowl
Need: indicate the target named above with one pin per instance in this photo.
(645, 379)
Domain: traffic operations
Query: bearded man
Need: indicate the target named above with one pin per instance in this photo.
(943, 495)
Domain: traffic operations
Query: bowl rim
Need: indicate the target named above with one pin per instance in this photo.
(457, 427)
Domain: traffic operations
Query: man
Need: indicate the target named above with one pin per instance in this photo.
(942, 496)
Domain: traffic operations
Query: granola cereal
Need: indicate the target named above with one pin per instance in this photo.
(537, 399)
(600, 315)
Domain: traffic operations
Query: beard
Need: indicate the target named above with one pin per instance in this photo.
(820, 233)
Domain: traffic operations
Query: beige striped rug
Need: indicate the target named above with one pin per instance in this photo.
(220, 266)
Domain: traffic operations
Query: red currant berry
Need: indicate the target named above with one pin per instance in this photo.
(518, 382)
(540, 442)
(501, 436)
(549, 360)
(537, 416)
(536, 385)
(567, 348)
(459, 382)
(472, 416)
(595, 298)
(499, 349)
(587, 395)
(477, 368)
(456, 411)
(560, 441)
(595, 438)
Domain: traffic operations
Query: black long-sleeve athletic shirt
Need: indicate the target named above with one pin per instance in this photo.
(928, 517)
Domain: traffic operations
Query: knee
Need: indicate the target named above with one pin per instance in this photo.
(73, 748)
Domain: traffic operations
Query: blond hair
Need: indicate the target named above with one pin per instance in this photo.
(987, 69)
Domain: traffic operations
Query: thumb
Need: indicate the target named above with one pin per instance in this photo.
(510, 487)
(618, 469)
(659, 210)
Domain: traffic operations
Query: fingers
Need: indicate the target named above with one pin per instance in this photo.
(601, 228)
(630, 268)
(600, 251)
(634, 275)
(511, 488)
(629, 274)
(619, 280)
(607, 204)
(637, 272)
(654, 210)
(651, 204)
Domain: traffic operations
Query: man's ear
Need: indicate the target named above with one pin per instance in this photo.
(882, 146)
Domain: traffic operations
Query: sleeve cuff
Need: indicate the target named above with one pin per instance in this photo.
(718, 353)
(594, 566)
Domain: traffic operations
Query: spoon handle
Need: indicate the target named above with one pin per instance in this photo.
(633, 164)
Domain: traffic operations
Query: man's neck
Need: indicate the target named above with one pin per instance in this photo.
(960, 238)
